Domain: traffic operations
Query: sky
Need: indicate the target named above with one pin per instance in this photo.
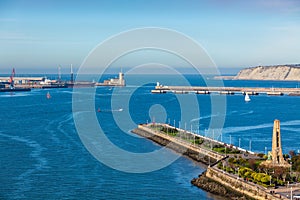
(38, 36)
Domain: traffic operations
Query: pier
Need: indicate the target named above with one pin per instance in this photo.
(160, 89)
(219, 177)
(181, 141)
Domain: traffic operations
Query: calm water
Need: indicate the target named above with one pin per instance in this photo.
(42, 156)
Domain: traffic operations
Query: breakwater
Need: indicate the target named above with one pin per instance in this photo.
(219, 182)
(213, 180)
(179, 145)
(226, 90)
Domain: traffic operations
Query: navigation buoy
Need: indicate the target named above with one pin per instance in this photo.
(48, 95)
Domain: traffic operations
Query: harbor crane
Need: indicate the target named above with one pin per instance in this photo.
(11, 79)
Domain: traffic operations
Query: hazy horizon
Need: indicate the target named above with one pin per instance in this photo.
(40, 36)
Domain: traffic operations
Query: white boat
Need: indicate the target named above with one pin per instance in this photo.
(247, 98)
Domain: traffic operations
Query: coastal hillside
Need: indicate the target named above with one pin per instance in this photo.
(278, 72)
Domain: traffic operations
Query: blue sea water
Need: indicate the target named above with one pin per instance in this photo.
(42, 156)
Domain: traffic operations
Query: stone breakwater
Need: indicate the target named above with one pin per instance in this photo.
(219, 182)
(214, 187)
(213, 180)
(197, 154)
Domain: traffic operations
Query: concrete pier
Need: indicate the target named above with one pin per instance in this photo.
(178, 144)
(226, 90)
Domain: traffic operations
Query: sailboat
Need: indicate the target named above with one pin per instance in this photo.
(48, 95)
(247, 98)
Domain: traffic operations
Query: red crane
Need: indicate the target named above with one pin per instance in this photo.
(11, 80)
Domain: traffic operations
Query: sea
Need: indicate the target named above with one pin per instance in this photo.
(43, 154)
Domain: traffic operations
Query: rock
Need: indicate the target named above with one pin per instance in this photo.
(213, 187)
(277, 72)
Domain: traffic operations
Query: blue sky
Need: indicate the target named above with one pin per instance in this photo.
(40, 35)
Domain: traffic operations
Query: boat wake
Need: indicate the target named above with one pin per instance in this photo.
(260, 126)
(114, 110)
(24, 183)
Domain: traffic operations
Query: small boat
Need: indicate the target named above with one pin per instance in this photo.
(48, 95)
(247, 98)
(120, 110)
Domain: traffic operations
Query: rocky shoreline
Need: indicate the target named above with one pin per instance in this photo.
(216, 188)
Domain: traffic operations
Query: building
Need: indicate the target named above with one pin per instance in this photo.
(23, 80)
(120, 81)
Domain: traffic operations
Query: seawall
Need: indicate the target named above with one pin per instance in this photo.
(198, 154)
(219, 182)
(213, 180)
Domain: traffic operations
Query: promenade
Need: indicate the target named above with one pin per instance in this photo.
(188, 143)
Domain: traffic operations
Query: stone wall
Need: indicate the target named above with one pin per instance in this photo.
(250, 189)
(185, 148)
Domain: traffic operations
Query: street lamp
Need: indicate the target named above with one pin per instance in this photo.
(265, 150)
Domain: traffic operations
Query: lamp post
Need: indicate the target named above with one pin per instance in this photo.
(221, 137)
(185, 130)
(194, 140)
(250, 145)
(179, 130)
(265, 150)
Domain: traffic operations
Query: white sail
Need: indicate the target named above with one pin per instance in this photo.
(247, 98)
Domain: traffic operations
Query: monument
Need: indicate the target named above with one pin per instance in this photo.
(275, 158)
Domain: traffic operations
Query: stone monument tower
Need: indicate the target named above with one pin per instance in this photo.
(276, 155)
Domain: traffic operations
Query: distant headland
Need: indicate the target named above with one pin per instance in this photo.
(272, 72)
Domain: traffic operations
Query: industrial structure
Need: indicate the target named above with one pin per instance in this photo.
(120, 81)
(12, 83)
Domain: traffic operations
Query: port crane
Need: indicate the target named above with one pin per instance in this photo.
(11, 79)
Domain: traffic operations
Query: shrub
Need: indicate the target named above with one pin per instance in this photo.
(265, 179)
